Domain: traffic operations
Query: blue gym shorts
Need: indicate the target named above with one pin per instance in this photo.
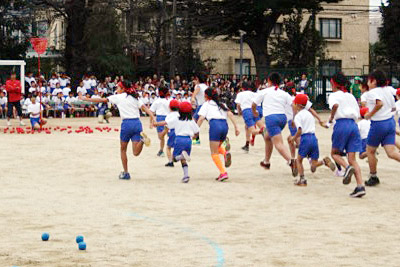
(364, 145)
(275, 123)
(218, 130)
(35, 121)
(158, 119)
(293, 130)
(249, 118)
(171, 138)
(196, 113)
(260, 112)
(182, 143)
(346, 136)
(130, 130)
(382, 133)
(309, 146)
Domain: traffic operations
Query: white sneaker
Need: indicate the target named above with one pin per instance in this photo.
(8, 123)
(339, 173)
(21, 123)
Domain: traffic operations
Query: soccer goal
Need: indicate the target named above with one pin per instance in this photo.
(21, 64)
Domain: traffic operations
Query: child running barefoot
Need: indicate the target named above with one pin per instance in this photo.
(174, 107)
(308, 148)
(217, 113)
(128, 103)
(346, 136)
(275, 104)
(244, 100)
(364, 127)
(160, 108)
(35, 114)
(185, 129)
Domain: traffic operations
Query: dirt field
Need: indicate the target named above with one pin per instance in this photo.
(67, 184)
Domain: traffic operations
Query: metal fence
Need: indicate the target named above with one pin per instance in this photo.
(319, 78)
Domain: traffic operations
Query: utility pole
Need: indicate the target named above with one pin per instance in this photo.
(241, 54)
(173, 41)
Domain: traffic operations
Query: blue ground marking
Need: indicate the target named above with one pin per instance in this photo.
(218, 250)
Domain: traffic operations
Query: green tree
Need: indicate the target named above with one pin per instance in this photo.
(301, 45)
(256, 18)
(391, 28)
(14, 33)
(104, 43)
(378, 55)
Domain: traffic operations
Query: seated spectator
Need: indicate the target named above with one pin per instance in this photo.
(64, 80)
(53, 82)
(32, 90)
(57, 90)
(66, 90)
(59, 104)
(186, 98)
(3, 105)
(81, 89)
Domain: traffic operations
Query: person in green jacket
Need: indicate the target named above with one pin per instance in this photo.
(355, 88)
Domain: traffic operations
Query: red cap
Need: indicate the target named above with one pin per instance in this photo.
(398, 92)
(185, 107)
(301, 99)
(364, 111)
(174, 104)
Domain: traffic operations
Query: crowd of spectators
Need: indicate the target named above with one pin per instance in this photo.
(60, 99)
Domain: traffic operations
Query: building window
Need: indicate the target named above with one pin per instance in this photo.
(245, 67)
(278, 29)
(331, 28)
(144, 24)
(330, 67)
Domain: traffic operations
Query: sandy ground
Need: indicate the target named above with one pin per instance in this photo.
(68, 185)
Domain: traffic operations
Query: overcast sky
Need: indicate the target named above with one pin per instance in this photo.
(376, 2)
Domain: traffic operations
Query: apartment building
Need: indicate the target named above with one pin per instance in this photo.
(345, 27)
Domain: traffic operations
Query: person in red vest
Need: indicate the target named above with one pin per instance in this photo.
(13, 88)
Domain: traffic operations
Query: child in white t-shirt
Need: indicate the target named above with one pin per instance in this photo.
(308, 148)
(364, 127)
(35, 111)
(66, 90)
(3, 104)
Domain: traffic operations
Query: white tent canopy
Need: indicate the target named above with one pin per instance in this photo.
(20, 63)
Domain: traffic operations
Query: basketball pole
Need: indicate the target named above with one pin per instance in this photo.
(39, 45)
(40, 93)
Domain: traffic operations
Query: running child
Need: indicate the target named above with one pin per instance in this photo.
(275, 103)
(217, 114)
(185, 130)
(198, 99)
(160, 108)
(244, 100)
(308, 148)
(346, 136)
(35, 114)
(381, 104)
(291, 113)
(174, 107)
(364, 127)
(128, 103)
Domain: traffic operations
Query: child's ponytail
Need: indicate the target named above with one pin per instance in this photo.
(213, 95)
